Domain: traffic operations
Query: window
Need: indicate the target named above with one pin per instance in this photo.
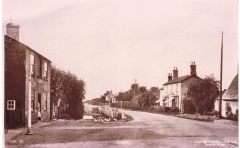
(45, 70)
(40, 68)
(176, 102)
(176, 88)
(10, 104)
(32, 100)
(32, 63)
(45, 101)
(171, 88)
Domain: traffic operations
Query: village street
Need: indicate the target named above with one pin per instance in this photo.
(146, 130)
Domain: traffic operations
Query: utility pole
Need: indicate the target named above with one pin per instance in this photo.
(134, 90)
(221, 64)
(29, 131)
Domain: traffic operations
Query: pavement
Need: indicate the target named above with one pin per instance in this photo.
(13, 133)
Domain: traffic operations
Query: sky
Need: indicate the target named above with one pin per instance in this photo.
(108, 44)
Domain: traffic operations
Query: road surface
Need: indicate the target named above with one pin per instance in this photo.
(146, 130)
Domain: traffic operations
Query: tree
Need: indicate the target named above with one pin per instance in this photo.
(71, 90)
(147, 99)
(203, 93)
(142, 89)
(134, 86)
(154, 89)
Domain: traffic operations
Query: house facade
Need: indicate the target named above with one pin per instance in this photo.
(175, 89)
(25, 72)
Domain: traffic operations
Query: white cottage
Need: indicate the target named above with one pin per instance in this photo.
(229, 98)
(175, 90)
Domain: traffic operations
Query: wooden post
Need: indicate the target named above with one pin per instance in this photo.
(221, 64)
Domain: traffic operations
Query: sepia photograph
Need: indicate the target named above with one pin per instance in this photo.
(120, 73)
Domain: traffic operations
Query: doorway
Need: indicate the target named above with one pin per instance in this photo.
(39, 102)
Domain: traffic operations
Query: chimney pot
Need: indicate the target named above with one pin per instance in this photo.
(175, 73)
(193, 69)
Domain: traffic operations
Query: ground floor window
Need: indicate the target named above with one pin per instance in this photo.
(32, 100)
(176, 102)
(10, 104)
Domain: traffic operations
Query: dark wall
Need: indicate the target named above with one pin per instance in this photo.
(14, 74)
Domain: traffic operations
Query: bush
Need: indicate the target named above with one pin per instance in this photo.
(174, 109)
(197, 117)
(167, 109)
(152, 109)
(130, 104)
(65, 116)
(188, 107)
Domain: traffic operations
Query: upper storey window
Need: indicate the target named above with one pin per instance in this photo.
(32, 67)
(45, 69)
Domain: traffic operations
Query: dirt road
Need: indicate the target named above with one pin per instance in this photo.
(146, 130)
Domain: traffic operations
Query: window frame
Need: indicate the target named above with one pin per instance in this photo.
(11, 104)
(32, 100)
(176, 102)
(32, 63)
(45, 69)
(45, 102)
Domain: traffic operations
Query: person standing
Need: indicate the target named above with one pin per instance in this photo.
(39, 113)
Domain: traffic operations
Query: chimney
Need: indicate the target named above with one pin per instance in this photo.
(169, 77)
(13, 31)
(193, 69)
(175, 73)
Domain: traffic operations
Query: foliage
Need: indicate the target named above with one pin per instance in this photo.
(134, 86)
(142, 89)
(189, 108)
(71, 90)
(65, 116)
(125, 96)
(197, 117)
(156, 109)
(154, 89)
(97, 101)
(147, 99)
(203, 93)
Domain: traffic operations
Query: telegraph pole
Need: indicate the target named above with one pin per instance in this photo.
(134, 90)
(221, 64)
(29, 131)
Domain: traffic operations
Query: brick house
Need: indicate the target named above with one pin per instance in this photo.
(175, 89)
(20, 62)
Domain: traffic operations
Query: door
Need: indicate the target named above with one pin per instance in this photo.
(39, 102)
(173, 103)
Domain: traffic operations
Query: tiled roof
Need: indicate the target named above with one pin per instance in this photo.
(9, 39)
(180, 79)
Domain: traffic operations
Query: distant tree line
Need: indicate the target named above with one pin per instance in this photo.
(143, 96)
(69, 90)
(201, 95)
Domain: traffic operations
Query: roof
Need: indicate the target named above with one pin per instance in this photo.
(180, 79)
(232, 91)
(7, 38)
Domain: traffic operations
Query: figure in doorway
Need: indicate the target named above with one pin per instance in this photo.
(39, 113)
